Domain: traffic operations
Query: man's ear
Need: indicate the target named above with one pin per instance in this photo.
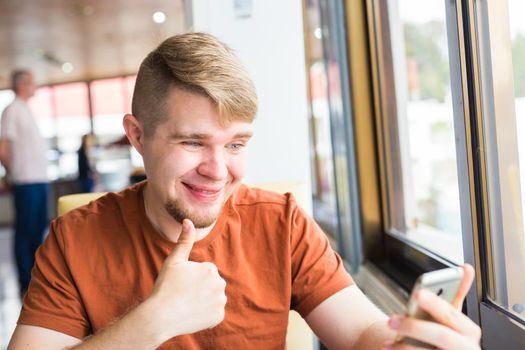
(134, 132)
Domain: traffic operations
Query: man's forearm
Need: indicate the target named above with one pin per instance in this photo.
(136, 330)
(374, 336)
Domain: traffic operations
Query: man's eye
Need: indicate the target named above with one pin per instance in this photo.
(235, 146)
(192, 144)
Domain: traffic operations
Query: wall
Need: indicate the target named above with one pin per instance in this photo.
(270, 44)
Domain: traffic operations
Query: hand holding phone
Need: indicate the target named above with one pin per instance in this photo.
(444, 283)
(443, 326)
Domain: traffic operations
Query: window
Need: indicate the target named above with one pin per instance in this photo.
(71, 104)
(501, 53)
(505, 162)
(109, 98)
(423, 163)
(324, 192)
(447, 94)
(335, 194)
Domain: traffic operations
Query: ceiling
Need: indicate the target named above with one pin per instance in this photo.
(99, 38)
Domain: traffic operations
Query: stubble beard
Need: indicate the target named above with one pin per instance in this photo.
(177, 211)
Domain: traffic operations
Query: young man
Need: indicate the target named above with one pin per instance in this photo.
(23, 154)
(192, 259)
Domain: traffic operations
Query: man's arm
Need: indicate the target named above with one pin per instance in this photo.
(348, 320)
(5, 153)
(137, 330)
(187, 297)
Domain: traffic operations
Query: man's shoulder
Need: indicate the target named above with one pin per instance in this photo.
(107, 210)
(256, 196)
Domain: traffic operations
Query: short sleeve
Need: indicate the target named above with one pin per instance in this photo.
(52, 300)
(317, 270)
(8, 126)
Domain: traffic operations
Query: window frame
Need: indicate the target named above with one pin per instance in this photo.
(400, 259)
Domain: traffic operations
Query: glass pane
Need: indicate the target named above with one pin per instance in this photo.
(109, 97)
(111, 100)
(503, 86)
(425, 124)
(129, 85)
(514, 293)
(324, 198)
(41, 105)
(72, 113)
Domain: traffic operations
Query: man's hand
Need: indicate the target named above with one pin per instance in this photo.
(189, 296)
(452, 329)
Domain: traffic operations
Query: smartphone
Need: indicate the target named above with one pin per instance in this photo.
(444, 283)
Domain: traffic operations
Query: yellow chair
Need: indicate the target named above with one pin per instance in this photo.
(72, 201)
(299, 336)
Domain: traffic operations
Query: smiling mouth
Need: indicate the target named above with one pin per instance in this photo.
(202, 189)
(203, 193)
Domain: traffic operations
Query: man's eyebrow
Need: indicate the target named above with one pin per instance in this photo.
(193, 136)
(200, 136)
(243, 135)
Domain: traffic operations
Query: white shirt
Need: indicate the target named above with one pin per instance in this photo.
(28, 147)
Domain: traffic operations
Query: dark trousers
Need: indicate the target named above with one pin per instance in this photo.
(31, 221)
(86, 184)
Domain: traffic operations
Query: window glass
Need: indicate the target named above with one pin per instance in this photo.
(72, 122)
(324, 198)
(110, 99)
(425, 127)
(41, 105)
(502, 77)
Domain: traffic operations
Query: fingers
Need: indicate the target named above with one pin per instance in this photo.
(446, 314)
(182, 250)
(429, 332)
(466, 282)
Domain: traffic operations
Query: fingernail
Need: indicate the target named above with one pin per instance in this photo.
(394, 322)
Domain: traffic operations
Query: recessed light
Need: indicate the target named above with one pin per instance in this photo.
(159, 17)
(67, 67)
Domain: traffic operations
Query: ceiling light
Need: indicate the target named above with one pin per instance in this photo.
(67, 67)
(159, 17)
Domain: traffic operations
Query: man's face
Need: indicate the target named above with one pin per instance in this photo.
(26, 85)
(193, 163)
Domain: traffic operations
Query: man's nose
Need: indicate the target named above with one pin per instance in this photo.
(213, 165)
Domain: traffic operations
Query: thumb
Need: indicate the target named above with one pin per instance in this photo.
(182, 250)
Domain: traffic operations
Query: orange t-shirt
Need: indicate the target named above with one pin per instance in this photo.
(101, 260)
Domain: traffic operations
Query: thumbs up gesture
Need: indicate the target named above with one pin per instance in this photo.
(190, 295)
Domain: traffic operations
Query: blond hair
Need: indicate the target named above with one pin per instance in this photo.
(197, 62)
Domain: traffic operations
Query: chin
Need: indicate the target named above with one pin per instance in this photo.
(201, 217)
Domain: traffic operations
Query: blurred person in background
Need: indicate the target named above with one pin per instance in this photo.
(23, 153)
(85, 171)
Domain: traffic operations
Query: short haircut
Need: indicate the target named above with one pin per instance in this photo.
(196, 62)
(16, 76)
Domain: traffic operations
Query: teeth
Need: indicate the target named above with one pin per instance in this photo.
(202, 191)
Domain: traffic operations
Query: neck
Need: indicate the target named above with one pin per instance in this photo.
(164, 223)
(22, 97)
